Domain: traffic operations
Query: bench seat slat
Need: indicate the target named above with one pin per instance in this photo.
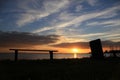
(33, 50)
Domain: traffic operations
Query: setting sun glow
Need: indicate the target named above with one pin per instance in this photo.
(75, 50)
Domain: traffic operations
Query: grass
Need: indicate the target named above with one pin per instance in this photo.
(63, 69)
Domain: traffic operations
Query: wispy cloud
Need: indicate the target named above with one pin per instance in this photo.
(66, 16)
(92, 2)
(106, 23)
(37, 11)
(78, 8)
(111, 36)
(78, 19)
(109, 15)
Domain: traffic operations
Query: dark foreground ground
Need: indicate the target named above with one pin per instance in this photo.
(65, 69)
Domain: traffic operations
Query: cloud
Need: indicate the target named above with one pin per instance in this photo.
(37, 11)
(109, 15)
(82, 45)
(78, 19)
(65, 16)
(92, 2)
(113, 23)
(79, 8)
(85, 45)
(111, 36)
(109, 44)
(25, 39)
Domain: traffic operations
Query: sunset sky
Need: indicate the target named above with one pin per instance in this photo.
(58, 24)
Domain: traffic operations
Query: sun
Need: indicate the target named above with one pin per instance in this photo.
(75, 50)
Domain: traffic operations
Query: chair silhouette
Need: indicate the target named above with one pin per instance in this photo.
(96, 49)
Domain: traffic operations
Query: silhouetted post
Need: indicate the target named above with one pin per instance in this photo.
(16, 55)
(51, 55)
(96, 49)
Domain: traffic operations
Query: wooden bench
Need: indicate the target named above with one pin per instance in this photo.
(16, 52)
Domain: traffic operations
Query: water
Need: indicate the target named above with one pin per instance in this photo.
(35, 56)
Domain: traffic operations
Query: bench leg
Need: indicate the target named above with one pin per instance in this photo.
(51, 55)
(16, 55)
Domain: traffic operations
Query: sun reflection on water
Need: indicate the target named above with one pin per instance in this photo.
(75, 51)
(75, 55)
